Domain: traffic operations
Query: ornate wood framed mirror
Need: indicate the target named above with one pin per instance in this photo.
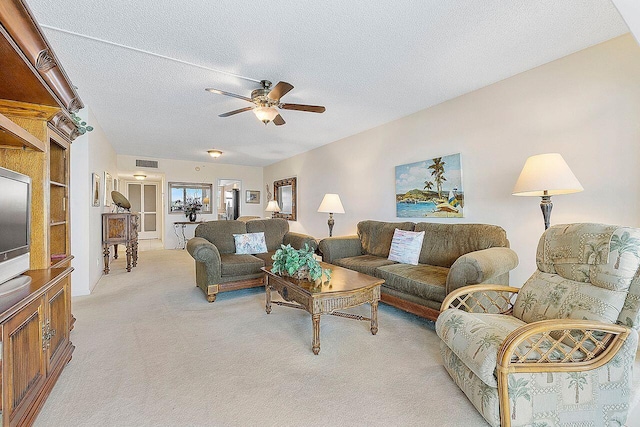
(285, 194)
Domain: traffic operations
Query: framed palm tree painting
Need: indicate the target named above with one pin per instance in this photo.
(430, 188)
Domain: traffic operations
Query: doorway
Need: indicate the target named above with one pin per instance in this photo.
(228, 200)
(145, 199)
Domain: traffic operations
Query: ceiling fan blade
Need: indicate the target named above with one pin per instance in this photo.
(221, 92)
(278, 121)
(301, 107)
(280, 90)
(231, 113)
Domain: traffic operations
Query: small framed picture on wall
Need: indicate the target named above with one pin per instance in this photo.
(95, 190)
(252, 196)
(108, 188)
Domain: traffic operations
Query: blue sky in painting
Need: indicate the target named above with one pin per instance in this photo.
(413, 175)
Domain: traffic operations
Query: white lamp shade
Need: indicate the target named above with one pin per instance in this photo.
(331, 204)
(272, 206)
(265, 114)
(546, 172)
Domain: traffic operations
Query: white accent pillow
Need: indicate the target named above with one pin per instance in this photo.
(406, 246)
(250, 243)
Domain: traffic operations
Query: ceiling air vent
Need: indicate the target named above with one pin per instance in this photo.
(147, 164)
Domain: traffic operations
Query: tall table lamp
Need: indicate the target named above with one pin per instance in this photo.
(331, 204)
(272, 207)
(546, 175)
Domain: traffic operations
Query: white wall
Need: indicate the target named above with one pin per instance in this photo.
(90, 153)
(585, 106)
(207, 171)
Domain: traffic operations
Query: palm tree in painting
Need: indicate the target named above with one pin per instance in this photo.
(437, 172)
(517, 389)
(577, 380)
(486, 341)
(428, 185)
(623, 244)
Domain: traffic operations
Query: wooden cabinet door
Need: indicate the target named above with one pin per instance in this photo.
(57, 325)
(25, 365)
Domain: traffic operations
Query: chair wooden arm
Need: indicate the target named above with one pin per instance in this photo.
(605, 338)
(481, 299)
(607, 343)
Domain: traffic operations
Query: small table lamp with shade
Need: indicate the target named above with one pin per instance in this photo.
(331, 204)
(546, 175)
(272, 207)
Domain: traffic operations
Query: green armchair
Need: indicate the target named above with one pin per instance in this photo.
(560, 350)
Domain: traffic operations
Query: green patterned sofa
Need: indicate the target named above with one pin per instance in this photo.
(560, 350)
(452, 256)
(220, 269)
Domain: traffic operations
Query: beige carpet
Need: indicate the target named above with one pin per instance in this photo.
(150, 351)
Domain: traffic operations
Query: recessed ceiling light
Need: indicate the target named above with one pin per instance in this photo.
(139, 176)
(214, 153)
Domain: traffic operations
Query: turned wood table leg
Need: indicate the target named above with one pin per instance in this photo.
(267, 291)
(115, 251)
(374, 317)
(129, 253)
(105, 253)
(316, 333)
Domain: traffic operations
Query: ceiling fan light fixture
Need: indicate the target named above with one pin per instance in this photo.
(214, 153)
(265, 114)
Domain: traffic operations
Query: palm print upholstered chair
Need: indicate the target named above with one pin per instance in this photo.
(560, 350)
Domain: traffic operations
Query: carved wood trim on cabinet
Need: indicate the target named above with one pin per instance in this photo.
(22, 28)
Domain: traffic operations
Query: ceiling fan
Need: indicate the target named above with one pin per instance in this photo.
(266, 100)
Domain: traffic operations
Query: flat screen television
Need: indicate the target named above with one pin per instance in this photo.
(15, 220)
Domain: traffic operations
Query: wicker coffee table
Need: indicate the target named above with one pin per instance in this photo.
(347, 288)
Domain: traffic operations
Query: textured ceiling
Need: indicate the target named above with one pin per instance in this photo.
(369, 62)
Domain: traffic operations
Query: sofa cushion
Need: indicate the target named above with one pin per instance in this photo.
(476, 339)
(550, 296)
(250, 243)
(240, 265)
(607, 256)
(376, 236)
(274, 230)
(366, 264)
(266, 258)
(424, 281)
(220, 233)
(444, 243)
(405, 246)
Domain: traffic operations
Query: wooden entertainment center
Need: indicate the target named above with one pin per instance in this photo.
(36, 131)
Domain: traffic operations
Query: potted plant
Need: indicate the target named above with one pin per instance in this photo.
(191, 208)
(298, 263)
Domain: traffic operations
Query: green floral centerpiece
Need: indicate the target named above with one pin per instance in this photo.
(298, 263)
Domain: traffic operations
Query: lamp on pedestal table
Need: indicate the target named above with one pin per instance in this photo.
(272, 207)
(331, 204)
(546, 175)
